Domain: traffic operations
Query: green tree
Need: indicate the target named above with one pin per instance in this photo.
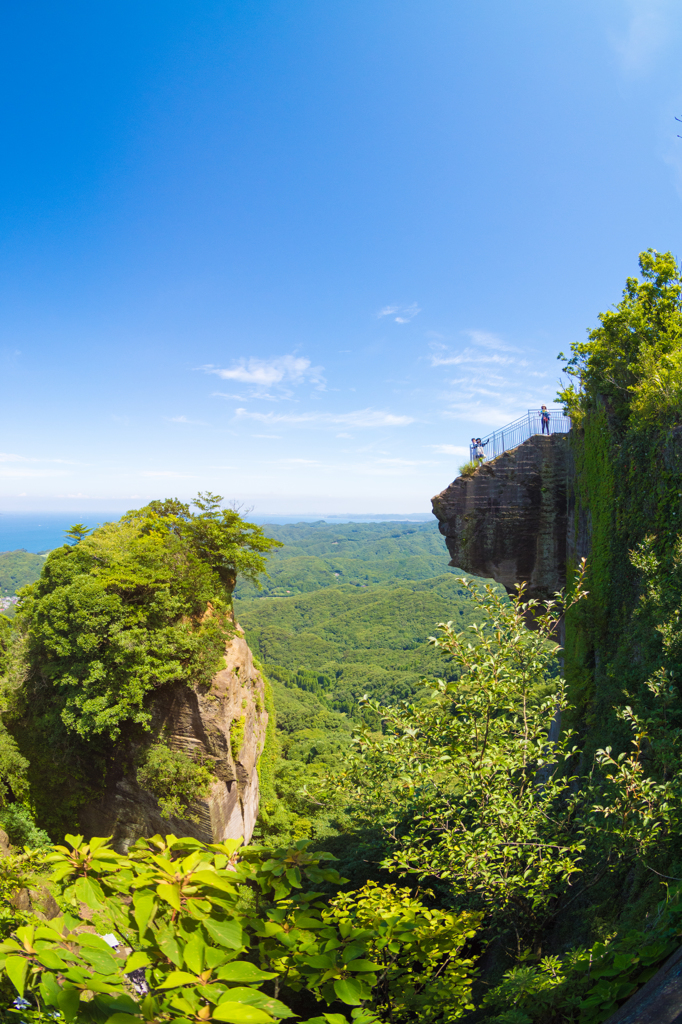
(134, 606)
(634, 358)
(455, 775)
(76, 533)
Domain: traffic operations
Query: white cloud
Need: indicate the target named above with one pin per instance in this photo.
(168, 473)
(449, 449)
(24, 471)
(10, 457)
(407, 313)
(488, 340)
(469, 355)
(184, 419)
(358, 418)
(648, 29)
(7, 457)
(265, 373)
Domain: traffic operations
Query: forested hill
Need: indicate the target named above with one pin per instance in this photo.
(355, 621)
(317, 555)
(358, 603)
(17, 568)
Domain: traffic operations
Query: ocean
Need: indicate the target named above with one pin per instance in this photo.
(42, 531)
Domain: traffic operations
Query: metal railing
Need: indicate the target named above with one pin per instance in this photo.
(519, 431)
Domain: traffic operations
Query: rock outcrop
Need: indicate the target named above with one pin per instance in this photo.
(225, 726)
(508, 521)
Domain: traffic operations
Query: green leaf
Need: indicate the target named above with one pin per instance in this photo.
(354, 950)
(135, 961)
(144, 907)
(240, 1013)
(170, 893)
(241, 970)
(104, 963)
(123, 1018)
(226, 933)
(177, 978)
(348, 991)
(89, 893)
(49, 989)
(294, 877)
(362, 965)
(16, 968)
(170, 947)
(48, 958)
(193, 954)
(69, 1001)
(213, 880)
(321, 962)
(254, 997)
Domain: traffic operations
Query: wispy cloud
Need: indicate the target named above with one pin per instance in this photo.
(484, 348)
(26, 471)
(357, 418)
(648, 28)
(406, 313)
(267, 373)
(184, 419)
(449, 449)
(11, 457)
(169, 474)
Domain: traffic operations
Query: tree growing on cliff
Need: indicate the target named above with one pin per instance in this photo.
(634, 358)
(136, 605)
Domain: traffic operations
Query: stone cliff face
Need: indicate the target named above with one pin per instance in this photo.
(508, 521)
(226, 725)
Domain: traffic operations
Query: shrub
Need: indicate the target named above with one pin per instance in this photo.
(200, 934)
(468, 469)
(237, 735)
(21, 829)
(174, 779)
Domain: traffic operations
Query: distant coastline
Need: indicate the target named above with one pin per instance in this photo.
(41, 531)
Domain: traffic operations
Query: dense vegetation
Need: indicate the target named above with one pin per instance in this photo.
(324, 649)
(316, 555)
(18, 569)
(115, 616)
(487, 871)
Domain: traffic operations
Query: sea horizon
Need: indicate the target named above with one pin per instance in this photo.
(43, 531)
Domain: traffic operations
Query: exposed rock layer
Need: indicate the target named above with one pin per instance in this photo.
(199, 721)
(508, 521)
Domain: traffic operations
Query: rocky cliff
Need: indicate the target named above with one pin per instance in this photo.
(225, 725)
(508, 521)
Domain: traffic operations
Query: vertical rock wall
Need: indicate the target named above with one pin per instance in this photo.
(225, 725)
(508, 521)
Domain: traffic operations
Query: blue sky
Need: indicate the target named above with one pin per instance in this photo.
(297, 252)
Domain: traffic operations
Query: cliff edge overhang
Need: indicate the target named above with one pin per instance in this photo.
(508, 520)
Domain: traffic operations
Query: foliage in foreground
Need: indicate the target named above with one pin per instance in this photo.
(178, 930)
(474, 798)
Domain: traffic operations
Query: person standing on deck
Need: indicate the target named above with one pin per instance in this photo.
(479, 454)
(544, 419)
